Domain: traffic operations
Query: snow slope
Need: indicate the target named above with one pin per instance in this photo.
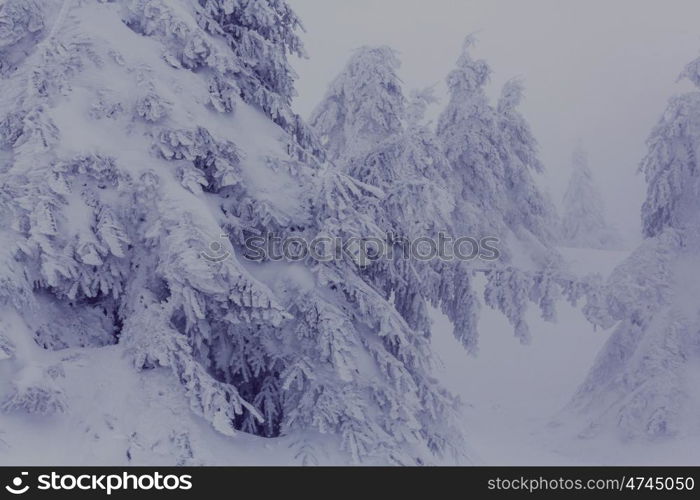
(513, 393)
(118, 416)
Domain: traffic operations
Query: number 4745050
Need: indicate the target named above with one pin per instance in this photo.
(660, 483)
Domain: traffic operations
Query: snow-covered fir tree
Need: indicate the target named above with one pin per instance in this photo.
(134, 133)
(531, 209)
(643, 382)
(363, 106)
(377, 135)
(469, 130)
(584, 223)
(374, 133)
(493, 156)
(493, 153)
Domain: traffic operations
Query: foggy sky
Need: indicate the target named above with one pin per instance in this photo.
(596, 71)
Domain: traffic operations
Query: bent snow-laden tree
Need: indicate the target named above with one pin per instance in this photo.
(493, 153)
(531, 210)
(428, 184)
(492, 157)
(644, 381)
(375, 134)
(583, 223)
(133, 134)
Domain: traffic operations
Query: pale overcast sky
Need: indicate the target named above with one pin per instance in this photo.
(596, 70)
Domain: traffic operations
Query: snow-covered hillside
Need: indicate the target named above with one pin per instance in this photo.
(513, 395)
(516, 395)
(117, 416)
